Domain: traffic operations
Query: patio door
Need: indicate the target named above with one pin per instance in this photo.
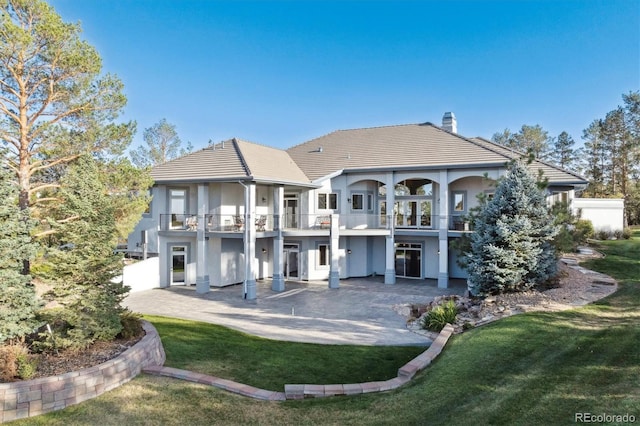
(178, 265)
(408, 260)
(290, 212)
(291, 262)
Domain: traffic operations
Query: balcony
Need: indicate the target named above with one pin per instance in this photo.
(313, 222)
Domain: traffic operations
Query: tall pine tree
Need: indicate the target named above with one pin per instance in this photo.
(512, 246)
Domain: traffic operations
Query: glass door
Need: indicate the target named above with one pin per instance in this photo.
(291, 261)
(291, 213)
(408, 260)
(178, 265)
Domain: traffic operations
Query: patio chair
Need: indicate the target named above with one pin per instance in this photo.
(261, 222)
(192, 223)
(238, 222)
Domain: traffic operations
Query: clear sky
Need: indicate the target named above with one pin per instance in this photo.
(281, 73)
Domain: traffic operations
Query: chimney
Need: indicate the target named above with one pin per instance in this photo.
(449, 122)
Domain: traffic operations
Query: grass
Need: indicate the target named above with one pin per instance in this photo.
(270, 364)
(537, 368)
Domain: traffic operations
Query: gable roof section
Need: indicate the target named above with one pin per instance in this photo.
(401, 146)
(232, 160)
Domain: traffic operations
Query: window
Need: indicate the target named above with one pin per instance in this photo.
(328, 201)
(323, 255)
(357, 201)
(459, 202)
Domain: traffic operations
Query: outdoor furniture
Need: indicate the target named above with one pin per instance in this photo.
(323, 222)
(192, 223)
(261, 222)
(238, 222)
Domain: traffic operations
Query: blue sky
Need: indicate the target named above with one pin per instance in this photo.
(281, 73)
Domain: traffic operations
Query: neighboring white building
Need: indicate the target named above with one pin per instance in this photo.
(605, 214)
(238, 211)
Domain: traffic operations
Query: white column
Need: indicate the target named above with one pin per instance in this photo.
(278, 241)
(202, 277)
(443, 233)
(250, 242)
(334, 268)
(390, 246)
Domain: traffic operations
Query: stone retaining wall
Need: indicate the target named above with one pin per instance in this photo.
(33, 397)
(405, 374)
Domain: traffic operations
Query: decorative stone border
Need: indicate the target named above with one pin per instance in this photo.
(34, 397)
(405, 374)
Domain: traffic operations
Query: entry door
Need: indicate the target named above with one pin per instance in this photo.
(291, 213)
(178, 265)
(291, 262)
(408, 260)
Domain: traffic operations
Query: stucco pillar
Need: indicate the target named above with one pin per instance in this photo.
(250, 242)
(334, 268)
(443, 233)
(202, 276)
(390, 246)
(277, 283)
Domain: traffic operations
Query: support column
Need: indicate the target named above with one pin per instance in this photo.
(278, 241)
(334, 268)
(250, 242)
(390, 246)
(202, 276)
(443, 233)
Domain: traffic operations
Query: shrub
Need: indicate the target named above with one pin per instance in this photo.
(584, 230)
(627, 233)
(27, 366)
(15, 362)
(131, 325)
(439, 316)
(603, 235)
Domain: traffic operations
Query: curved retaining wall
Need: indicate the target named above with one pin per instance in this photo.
(405, 374)
(33, 397)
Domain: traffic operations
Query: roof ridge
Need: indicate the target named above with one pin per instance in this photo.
(243, 161)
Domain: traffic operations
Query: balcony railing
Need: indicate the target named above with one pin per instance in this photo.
(178, 222)
(268, 222)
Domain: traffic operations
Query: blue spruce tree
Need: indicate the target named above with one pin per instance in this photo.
(511, 249)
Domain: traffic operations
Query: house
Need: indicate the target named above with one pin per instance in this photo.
(383, 201)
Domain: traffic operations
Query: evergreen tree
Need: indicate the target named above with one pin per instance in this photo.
(18, 301)
(512, 246)
(163, 144)
(82, 264)
(529, 139)
(562, 152)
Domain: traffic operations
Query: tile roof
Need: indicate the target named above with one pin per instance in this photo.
(389, 147)
(419, 145)
(232, 160)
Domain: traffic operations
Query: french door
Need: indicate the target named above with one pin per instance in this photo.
(408, 260)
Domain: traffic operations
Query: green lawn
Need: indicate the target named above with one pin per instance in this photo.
(270, 364)
(537, 368)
